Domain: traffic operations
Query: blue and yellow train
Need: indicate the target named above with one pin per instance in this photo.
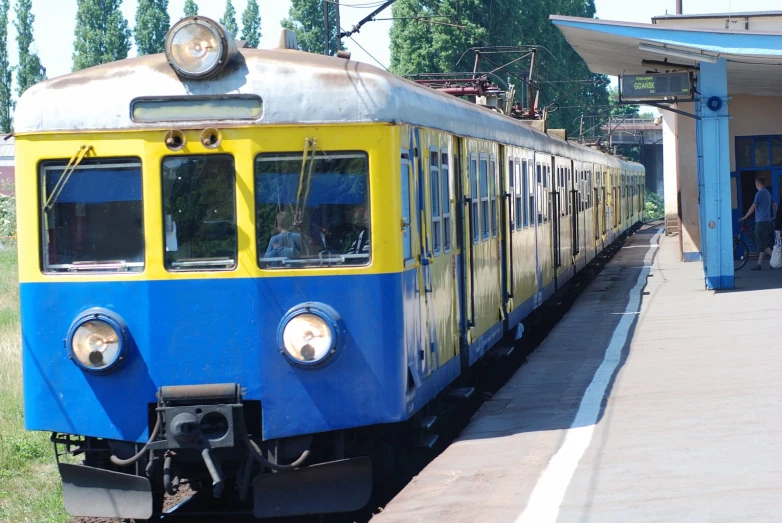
(235, 262)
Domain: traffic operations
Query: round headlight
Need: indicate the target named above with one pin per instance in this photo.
(96, 341)
(198, 47)
(307, 338)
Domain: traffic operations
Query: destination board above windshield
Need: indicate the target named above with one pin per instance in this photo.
(656, 86)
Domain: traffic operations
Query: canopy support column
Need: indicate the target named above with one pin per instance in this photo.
(714, 177)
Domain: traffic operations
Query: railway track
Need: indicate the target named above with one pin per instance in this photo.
(453, 416)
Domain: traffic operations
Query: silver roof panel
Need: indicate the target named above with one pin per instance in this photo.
(296, 88)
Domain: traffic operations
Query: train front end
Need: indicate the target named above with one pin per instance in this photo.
(209, 285)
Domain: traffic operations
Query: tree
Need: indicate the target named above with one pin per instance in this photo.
(152, 24)
(191, 9)
(101, 35)
(617, 109)
(251, 24)
(6, 73)
(29, 71)
(429, 36)
(305, 17)
(229, 19)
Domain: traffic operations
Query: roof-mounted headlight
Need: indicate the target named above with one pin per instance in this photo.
(198, 47)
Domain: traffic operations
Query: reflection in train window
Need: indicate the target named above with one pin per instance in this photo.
(312, 211)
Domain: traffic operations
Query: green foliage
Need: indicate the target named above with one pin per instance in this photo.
(617, 109)
(305, 17)
(29, 71)
(191, 9)
(251, 24)
(152, 24)
(6, 74)
(7, 215)
(229, 19)
(101, 35)
(424, 39)
(654, 207)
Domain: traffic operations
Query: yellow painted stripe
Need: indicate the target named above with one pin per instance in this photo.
(380, 141)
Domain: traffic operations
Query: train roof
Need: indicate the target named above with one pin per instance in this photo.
(296, 88)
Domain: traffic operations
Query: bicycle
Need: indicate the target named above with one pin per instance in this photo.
(741, 252)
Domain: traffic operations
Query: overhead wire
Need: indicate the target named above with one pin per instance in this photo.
(367, 52)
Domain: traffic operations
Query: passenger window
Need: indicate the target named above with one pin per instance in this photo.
(446, 201)
(317, 219)
(484, 199)
(539, 208)
(475, 199)
(531, 196)
(92, 216)
(407, 245)
(199, 212)
(517, 195)
(434, 187)
(525, 191)
(493, 196)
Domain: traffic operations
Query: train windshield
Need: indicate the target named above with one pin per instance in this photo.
(86, 210)
(312, 211)
(199, 212)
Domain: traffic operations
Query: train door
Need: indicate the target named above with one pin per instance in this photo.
(603, 204)
(555, 215)
(428, 339)
(596, 203)
(574, 183)
(441, 287)
(412, 273)
(507, 199)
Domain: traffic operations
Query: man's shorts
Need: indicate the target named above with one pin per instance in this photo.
(762, 234)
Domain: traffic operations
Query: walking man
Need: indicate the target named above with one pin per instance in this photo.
(763, 225)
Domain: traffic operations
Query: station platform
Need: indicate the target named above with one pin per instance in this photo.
(651, 400)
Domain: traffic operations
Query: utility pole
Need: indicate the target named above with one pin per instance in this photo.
(678, 7)
(326, 27)
(581, 130)
(339, 27)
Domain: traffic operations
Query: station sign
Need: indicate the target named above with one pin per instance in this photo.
(656, 87)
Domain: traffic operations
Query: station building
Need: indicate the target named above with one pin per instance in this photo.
(716, 145)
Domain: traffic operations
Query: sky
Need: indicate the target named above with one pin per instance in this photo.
(55, 21)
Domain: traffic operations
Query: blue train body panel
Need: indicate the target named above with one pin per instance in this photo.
(216, 331)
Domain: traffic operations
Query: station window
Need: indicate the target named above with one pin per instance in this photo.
(199, 210)
(446, 201)
(475, 198)
(321, 220)
(493, 196)
(776, 151)
(92, 216)
(434, 181)
(484, 199)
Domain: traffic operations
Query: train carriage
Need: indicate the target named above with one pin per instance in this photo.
(234, 263)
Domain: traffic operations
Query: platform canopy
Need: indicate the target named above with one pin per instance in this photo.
(619, 48)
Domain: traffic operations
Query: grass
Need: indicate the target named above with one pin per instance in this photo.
(29, 483)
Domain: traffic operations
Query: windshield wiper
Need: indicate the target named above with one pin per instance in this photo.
(66, 175)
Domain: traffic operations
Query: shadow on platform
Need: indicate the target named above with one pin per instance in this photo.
(546, 392)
